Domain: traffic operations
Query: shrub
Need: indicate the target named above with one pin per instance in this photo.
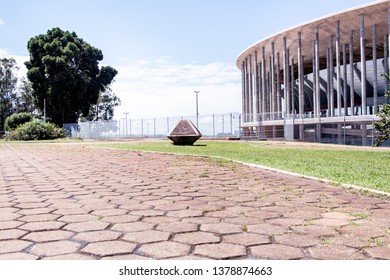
(16, 119)
(382, 126)
(36, 130)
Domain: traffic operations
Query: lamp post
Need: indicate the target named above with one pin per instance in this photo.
(197, 107)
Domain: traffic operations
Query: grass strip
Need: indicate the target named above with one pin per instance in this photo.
(365, 168)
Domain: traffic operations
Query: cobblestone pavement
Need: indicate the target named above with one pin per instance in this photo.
(75, 201)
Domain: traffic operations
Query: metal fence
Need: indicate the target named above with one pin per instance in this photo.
(344, 130)
(212, 126)
(234, 125)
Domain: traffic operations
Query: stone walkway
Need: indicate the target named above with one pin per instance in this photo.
(75, 201)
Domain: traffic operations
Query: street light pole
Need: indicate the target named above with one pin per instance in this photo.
(197, 107)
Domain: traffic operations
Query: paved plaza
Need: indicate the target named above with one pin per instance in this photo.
(78, 201)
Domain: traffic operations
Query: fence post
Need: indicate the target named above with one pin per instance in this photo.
(372, 132)
(239, 125)
(142, 128)
(223, 124)
(213, 126)
(344, 129)
(231, 123)
(154, 127)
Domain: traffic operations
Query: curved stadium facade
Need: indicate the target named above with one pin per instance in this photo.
(319, 81)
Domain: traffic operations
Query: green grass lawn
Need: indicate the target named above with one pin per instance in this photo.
(365, 168)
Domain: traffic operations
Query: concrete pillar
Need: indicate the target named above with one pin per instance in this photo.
(314, 97)
(248, 88)
(386, 53)
(273, 85)
(318, 130)
(340, 133)
(260, 88)
(363, 67)
(331, 73)
(300, 76)
(278, 95)
(338, 72)
(268, 94)
(345, 85)
(250, 92)
(388, 40)
(264, 84)
(271, 88)
(375, 72)
(256, 101)
(351, 74)
(301, 133)
(317, 69)
(328, 77)
(364, 134)
(243, 88)
(292, 82)
(285, 77)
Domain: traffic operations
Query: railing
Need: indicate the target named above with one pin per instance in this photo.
(347, 130)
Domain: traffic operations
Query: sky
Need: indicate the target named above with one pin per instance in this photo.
(164, 50)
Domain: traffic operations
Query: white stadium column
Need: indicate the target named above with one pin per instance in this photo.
(363, 67)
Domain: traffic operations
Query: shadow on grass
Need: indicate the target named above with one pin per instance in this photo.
(194, 145)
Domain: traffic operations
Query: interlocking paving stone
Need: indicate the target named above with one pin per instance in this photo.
(196, 238)
(135, 205)
(379, 252)
(131, 227)
(44, 236)
(247, 239)
(86, 226)
(39, 218)
(106, 248)
(39, 226)
(177, 227)
(55, 248)
(8, 216)
(221, 228)
(148, 236)
(11, 234)
(73, 256)
(165, 249)
(18, 256)
(277, 251)
(301, 240)
(13, 246)
(330, 252)
(220, 250)
(10, 224)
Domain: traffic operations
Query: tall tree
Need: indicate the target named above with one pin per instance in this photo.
(64, 72)
(103, 110)
(25, 98)
(8, 85)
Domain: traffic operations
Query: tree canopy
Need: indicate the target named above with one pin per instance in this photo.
(382, 126)
(8, 86)
(64, 73)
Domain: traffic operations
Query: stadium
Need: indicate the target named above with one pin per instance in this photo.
(322, 81)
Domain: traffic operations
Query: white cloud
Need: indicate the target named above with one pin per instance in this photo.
(160, 88)
(20, 59)
(1, 22)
